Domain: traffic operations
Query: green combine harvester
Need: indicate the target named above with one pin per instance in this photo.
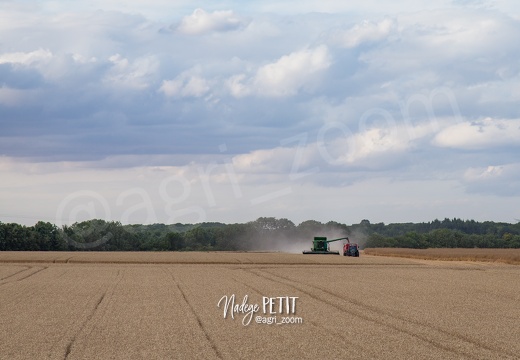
(320, 245)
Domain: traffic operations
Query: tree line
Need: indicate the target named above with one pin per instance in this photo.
(263, 234)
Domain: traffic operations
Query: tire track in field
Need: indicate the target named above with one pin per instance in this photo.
(244, 283)
(105, 296)
(12, 278)
(373, 315)
(14, 274)
(197, 317)
(31, 274)
(25, 292)
(446, 333)
(68, 349)
(322, 329)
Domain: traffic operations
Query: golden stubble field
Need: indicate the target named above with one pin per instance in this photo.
(164, 306)
(508, 256)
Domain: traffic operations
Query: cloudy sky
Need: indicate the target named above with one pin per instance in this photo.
(191, 111)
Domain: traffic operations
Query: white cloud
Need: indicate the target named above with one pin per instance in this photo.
(458, 47)
(44, 61)
(479, 174)
(80, 59)
(279, 160)
(375, 148)
(27, 58)
(373, 7)
(237, 87)
(375, 143)
(291, 72)
(185, 85)
(481, 134)
(286, 76)
(137, 74)
(494, 179)
(200, 22)
(367, 31)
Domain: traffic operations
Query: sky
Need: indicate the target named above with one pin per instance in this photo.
(201, 111)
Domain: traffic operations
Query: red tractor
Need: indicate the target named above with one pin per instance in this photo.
(350, 249)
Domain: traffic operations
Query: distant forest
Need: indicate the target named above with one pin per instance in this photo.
(263, 234)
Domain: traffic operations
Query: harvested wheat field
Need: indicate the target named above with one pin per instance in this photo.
(508, 256)
(165, 306)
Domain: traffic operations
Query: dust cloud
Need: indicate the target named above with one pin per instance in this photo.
(296, 243)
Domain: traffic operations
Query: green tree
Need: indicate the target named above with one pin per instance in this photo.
(48, 237)
(174, 240)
